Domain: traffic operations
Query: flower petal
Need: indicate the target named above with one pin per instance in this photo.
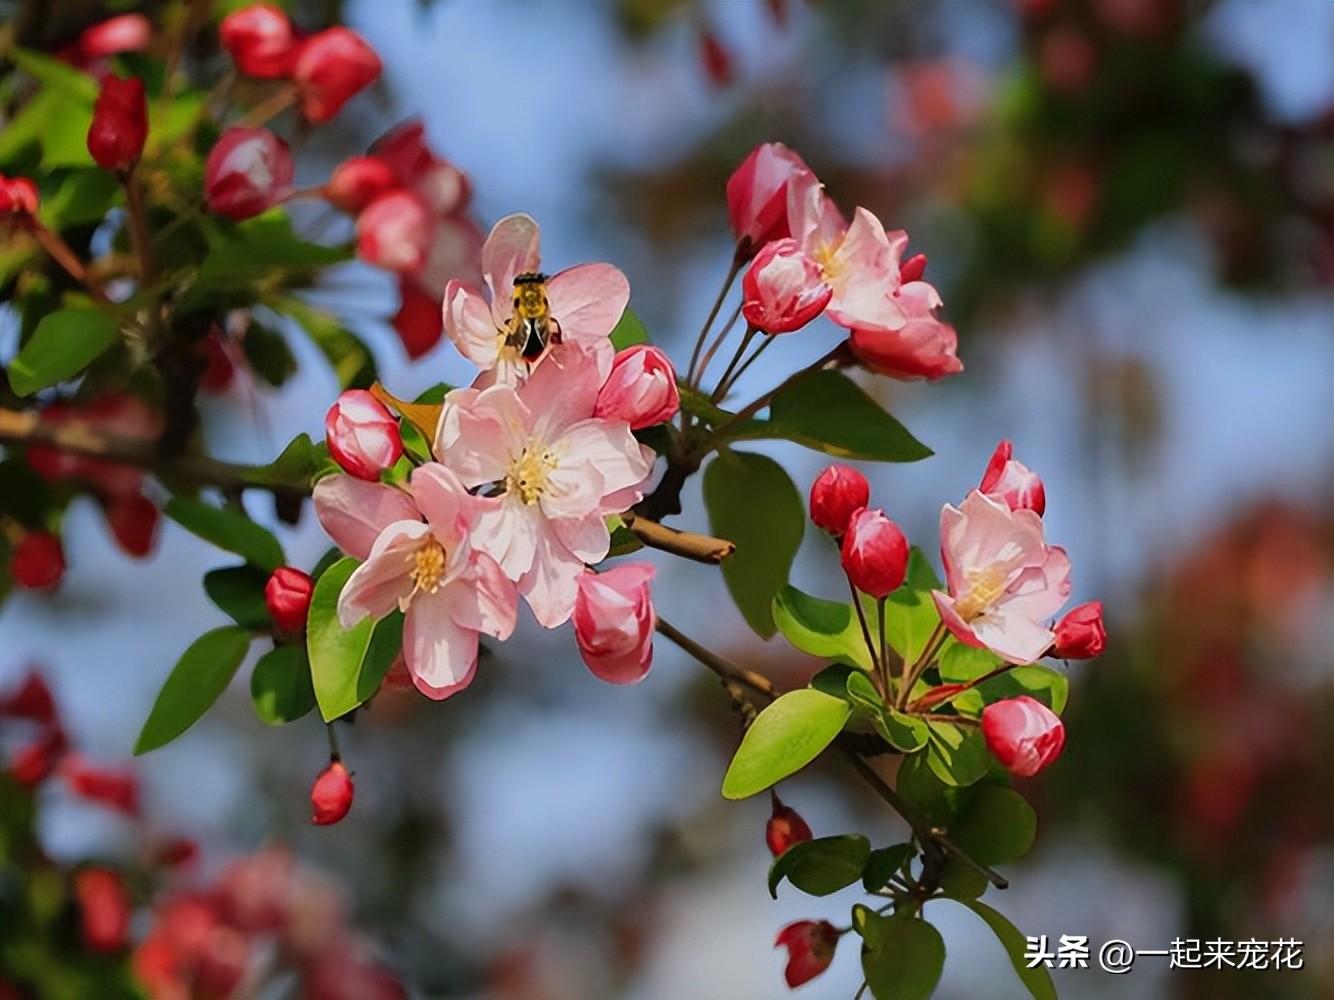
(552, 584)
(382, 581)
(511, 248)
(354, 512)
(588, 301)
(441, 654)
(469, 325)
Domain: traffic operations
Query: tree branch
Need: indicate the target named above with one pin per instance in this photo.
(686, 544)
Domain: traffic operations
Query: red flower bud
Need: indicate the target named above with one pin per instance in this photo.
(120, 123)
(418, 321)
(116, 789)
(1080, 635)
(913, 268)
(176, 852)
(716, 59)
(757, 194)
(330, 68)
(126, 33)
(38, 562)
(31, 700)
(875, 553)
(219, 368)
(287, 595)
(1013, 483)
(810, 948)
(641, 388)
(104, 908)
(355, 183)
(784, 289)
(18, 197)
(248, 171)
(1023, 734)
(836, 494)
(134, 521)
(785, 827)
(33, 763)
(394, 232)
(259, 40)
(331, 797)
(363, 436)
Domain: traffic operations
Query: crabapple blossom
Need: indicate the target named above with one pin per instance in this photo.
(614, 621)
(875, 553)
(403, 149)
(104, 908)
(394, 232)
(330, 68)
(449, 590)
(31, 700)
(1004, 580)
(287, 596)
(248, 171)
(785, 827)
(119, 128)
(913, 343)
(259, 40)
(133, 520)
(784, 289)
(1023, 734)
(116, 789)
(362, 435)
(124, 33)
(836, 494)
(357, 182)
(18, 197)
(757, 194)
(417, 321)
(331, 795)
(1013, 483)
(558, 471)
(585, 301)
(1081, 634)
(641, 389)
(38, 562)
(810, 948)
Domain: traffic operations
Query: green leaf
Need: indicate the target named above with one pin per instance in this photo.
(260, 250)
(280, 685)
(885, 863)
(65, 134)
(910, 613)
(698, 405)
(628, 331)
(1048, 686)
(906, 959)
(907, 733)
(347, 665)
(784, 738)
(753, 503)
(239, 592)
(64, 344)
(935, 802)
(268, 354)
(227, 530)
(1036, 980)
(823, 866)
(997, 827)
(961, 663)
(833, 680)
(84, 196)
(826, 629)
(386, 644)
(829, 412)
(199, 677)
(349, 358)
(56, 76)
(957, 754)
(959, 881)
(301, 463)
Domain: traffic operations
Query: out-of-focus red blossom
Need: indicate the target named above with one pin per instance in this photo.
(394, 232)
(785, 827)
(355, 183)
(836, 494)
(1066, 59)
(1139, 18)
(31, 700)
(778, 11)
(419, 321)
(219, 369)
(783, 289)
(115, 788)
(1023, 734)
(104, 909)
(614, 621)
(34, 762)
(875, 553)
(405, 151)
(1081, 634)
(133, 520)
(810, 948)
(255, 894)
(757, 195)
(248, 171)
(331, 795)
(717, 61)
(930, 96)
(38, 562)
(121, 415)
(177, 852)
(259, 39)
(362, 435)
(124, 33)
(344, 970)
(641, 389)
(191, 951)
(331, 67)
(18, 198)
(1072, 192)
(1013, 483)
(287, 595)
(119, 129)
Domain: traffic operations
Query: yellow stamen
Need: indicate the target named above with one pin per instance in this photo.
(528, 476)
(984, 586)
(428, 566)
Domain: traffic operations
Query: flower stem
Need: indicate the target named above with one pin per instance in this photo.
(717, 343)
(748, 362)
(732, 271)
(721, 388)
(60, 252)
(884, 650)
(272, 106)
(866, 634)
(140, 236)
(753, 408)
(919, 667)
(334, 755)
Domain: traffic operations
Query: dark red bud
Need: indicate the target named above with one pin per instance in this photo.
(1081, 634)
(38, 562)
(120, 123)
(785, 827)
(287, 595)
(836, 494)
(913, 268)
(331, 796)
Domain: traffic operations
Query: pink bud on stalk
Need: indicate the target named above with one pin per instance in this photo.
(836, 494)
(1023, 734)
(784, 289)
(641, 389)
(1081, 634)
(248, 171)
(362, 435)
(31, 700)
(757, 194)
(810, 948)
(332, 67)
(259, 40)
(119, 128)
(418, 322)
(1013, 483)
(614, 621)
(875, 553)
(287, 596)
(331, 796)
(785, 828)
(133, 520)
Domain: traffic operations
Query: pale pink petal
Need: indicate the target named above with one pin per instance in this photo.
(507, 529)
(551, 586)
(563, 389)
(469, 325)
(588, 301)
(1041, 591)
(1013, 637)
(353, 512)
(446, 504)
(959, 628)
(585, 537)
(378, 585)
(441, 655)
(511, 248)
(609, 447)
(455, 253)
(950, 517)
(483, 598)
(480, 434)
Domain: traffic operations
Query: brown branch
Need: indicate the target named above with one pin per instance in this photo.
(686, 544)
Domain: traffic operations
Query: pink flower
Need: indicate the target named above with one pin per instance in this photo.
(584, 302)
(332, 67)
(908, 342)
(614, 621)
(287, 596)
(757, 194)
(1004, 580)
(810, 948)
(358, 181)
(1081, 634)
(875, 553)
(394, 232)
(259, 40)
(558, 470)
(119, 128)
(836, 494)
(331, 795)
(1023, 734)
(784, 289)
(449, 590)
(1013, 483)
(641, 389)
(785, 828)
(248, 171)
(363, 436)
(124, 33)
